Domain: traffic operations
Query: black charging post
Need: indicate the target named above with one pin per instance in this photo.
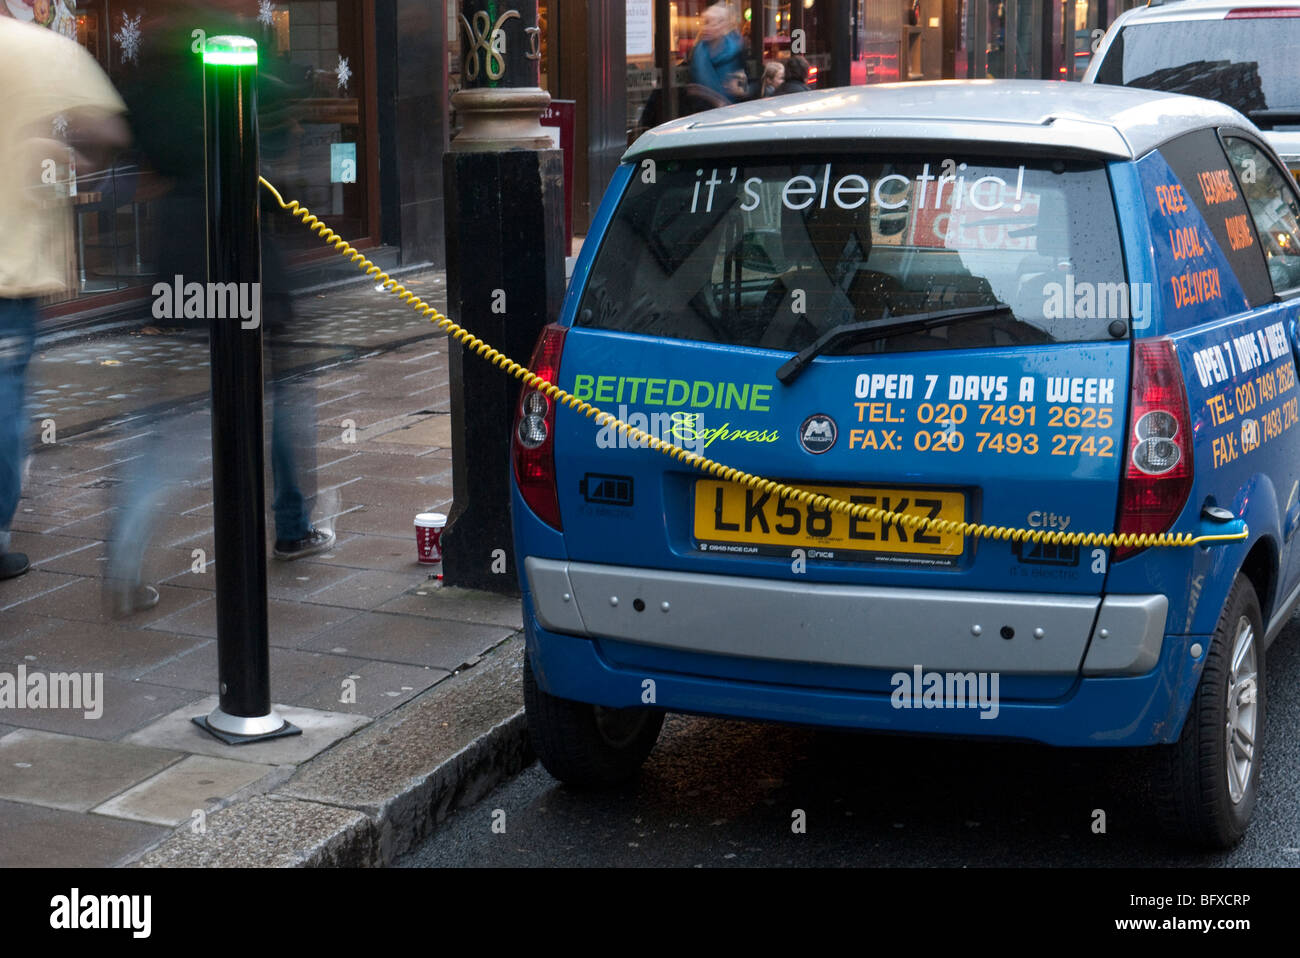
(244, 713)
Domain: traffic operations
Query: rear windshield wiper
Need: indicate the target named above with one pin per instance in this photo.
(878, 329)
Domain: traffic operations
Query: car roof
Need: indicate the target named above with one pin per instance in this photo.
(1039, 117)
(1197, 10)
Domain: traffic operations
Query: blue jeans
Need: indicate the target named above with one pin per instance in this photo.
(293, 409)
(293, 458)
(17, 340)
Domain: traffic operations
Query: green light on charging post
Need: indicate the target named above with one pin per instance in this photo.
(230, 51)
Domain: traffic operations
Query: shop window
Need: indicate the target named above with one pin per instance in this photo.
(313, 131)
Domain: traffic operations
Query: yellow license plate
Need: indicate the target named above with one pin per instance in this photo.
(735, 519)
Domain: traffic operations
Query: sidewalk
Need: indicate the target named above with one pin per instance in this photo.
(356, 634)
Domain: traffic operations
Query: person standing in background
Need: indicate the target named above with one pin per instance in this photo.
(45, 76)
(773, 77)
(796, 72)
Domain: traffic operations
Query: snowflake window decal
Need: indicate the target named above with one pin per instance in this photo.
(128, 38)
(265, 12)
(343, 72)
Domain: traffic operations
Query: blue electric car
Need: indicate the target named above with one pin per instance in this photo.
(1036, 306)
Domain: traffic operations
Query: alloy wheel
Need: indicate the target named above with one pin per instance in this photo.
(1242, 714)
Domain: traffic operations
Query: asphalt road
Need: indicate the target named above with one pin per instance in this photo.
(722, 793)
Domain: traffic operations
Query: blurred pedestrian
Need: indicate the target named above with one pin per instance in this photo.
(45, 76)
(773, 77)
(164, 91)
(717, 61)
(796, 75)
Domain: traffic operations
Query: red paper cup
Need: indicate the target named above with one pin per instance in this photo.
(428, 536)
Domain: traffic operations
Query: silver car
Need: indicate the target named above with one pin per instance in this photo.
(1242, 53)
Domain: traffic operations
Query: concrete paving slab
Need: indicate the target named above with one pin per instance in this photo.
(127, 706)
(376, 687)
(303, 678)
(99, 526)
(52, 838)
(371, 588)
(122, 652)
(72, 773)
(290, 623)
(88, 560)
(41, 549)
(370, 552)
(387, 488)
(177, 567)
(196, 669)
(70, 503)
(176, 530)
(85, 601)
(400, 505)
(15, 626)
(198, 782)
(298, 580)
(37, 582)
(437, 601)
(163, 564)
(432, 432)
(198, 618)
(403, 638)
(33, 523)
(73, 554)
(396, 522)
(198, 573)
(374, 463)
(320, 730)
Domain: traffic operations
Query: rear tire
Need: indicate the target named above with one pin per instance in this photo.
(1207, 782)
(588, 745)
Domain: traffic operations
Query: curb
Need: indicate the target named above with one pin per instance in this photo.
(377, 794)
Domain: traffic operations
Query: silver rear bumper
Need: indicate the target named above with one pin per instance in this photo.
(859, 626)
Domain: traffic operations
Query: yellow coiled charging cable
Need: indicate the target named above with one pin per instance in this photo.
(976, 530)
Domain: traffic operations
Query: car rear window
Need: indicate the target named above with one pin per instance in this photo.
(773, 253)
(1248, 63)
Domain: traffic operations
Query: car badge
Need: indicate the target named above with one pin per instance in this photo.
(818, 433)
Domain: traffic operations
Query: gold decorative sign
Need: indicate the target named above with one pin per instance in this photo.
(489, 37)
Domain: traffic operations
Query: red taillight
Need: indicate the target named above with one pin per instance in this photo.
(532, 442)
(1158, 466)
(1261, 13)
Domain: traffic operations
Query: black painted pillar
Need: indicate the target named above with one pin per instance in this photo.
(505, 271)
(238, 494)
